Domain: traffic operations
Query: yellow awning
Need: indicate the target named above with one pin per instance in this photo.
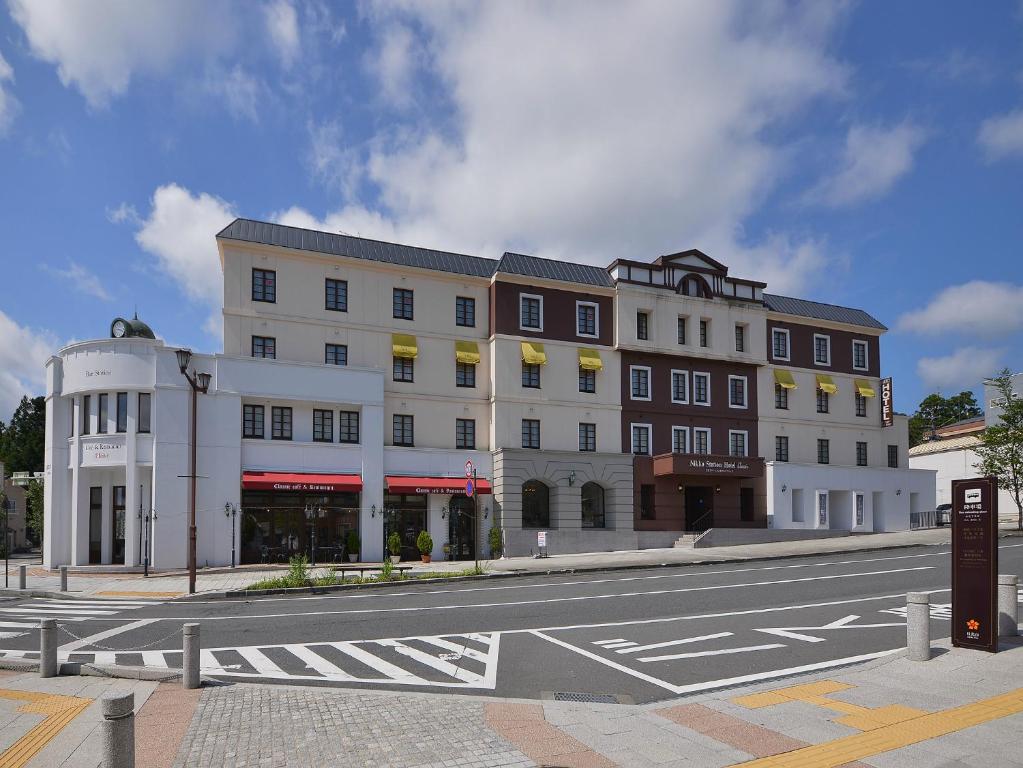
(589, 359)
(533, 354)
(404, 345)
(785, 379)
(826, 384)
(467, 352)
(864, 388)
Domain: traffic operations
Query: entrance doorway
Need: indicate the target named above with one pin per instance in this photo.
(460, 524)
(405, 513)
(95, 526)
(699, 507)
(117, 529)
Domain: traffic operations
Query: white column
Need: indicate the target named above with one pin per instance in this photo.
(131, 485)
(79, 512)
(107, 528)
(372, 527)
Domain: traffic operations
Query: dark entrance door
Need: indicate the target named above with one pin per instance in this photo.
(117, 529)
(699, 507)
(460, 519)
(95, 525)
(406, 514)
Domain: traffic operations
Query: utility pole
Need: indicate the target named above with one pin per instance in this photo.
(199, 382)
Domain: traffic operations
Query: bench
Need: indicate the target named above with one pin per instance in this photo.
(401, 569)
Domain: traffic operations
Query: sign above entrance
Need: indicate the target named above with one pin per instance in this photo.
(707, 464)
(300, 481)
(447, 486)
(975, 563)
(103, 451)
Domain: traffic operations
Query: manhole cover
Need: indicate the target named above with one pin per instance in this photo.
(589, 698)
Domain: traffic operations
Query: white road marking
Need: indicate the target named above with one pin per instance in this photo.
(11, 635)
(397, 674)
(440, 665)
(625, 644)
(552, 600)
(154, 659)
(719, 652)
(605, 662)
(87, 641)
(460, 650)
(606, 642)
(796, 633)
(259, 661)
(19, 625)
(669, 643)
(317, 663)
(55, 612)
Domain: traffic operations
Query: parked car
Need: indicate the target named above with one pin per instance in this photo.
(943, 514)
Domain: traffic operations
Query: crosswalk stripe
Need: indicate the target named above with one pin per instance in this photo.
(683, 641)
(440, 665)
(112, 603)
(373, 662)
(11, 635)
(154, 659)
(447, 645)
(56, 611)
(485, 639)
(259, 661)
(314, 661)
(19, 625)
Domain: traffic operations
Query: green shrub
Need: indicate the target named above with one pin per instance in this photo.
(298, 572)
(495, 542)
(352, 542)
(385, 571)
(424, 542)
(394, 543)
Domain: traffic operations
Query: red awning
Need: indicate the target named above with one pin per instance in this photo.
(300, 481)
(444, 485)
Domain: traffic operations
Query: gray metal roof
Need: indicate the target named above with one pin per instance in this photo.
(787, 305)
(249, 231)
(533, 266)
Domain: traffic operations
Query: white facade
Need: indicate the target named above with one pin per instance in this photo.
(955, 459)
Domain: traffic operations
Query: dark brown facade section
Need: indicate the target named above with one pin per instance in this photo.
(662, 414)
(801, 348)
(559, 313)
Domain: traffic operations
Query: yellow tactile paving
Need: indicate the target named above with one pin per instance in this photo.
(114, 593)
(58, 711)
(869, 719)
(792, 693)
(896, 735)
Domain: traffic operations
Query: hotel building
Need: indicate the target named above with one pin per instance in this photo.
(616, 408)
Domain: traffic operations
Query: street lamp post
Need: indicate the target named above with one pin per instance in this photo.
(199, 382)
(230, 511)
(6, 505)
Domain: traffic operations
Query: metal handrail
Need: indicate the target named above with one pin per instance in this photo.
(695, 528)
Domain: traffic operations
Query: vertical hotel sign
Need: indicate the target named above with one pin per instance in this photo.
(887, 409)
(975, 563)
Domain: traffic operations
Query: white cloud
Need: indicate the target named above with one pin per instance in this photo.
(122, 213)
(242, 93)
(9, 105)
(394, 63)
(1002, 136)
(99, 46)
(583, 131)
(282, 26)
(964, 368)
(83, 279)
(23, 355)
(873, 161)
(331, 160)
(180, 233)
(978, 308)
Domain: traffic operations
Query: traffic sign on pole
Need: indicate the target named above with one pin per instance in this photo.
(469, 468)
(469, 488)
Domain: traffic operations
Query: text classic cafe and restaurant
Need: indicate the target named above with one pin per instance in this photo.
(118, 449)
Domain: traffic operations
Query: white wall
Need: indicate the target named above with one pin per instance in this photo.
(959, 464)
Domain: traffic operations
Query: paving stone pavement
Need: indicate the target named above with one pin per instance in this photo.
(256, 725)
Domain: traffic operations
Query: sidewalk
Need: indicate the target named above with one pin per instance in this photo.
(962, 708)
(218, 580)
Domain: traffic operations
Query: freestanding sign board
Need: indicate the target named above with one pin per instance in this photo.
(975, 563)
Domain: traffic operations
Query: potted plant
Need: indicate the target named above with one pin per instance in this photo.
(495, 542)
(352, 545)
(394, 547)
(425, 544)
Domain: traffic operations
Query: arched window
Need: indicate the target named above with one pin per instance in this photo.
(694, 285)
(536, 509)
(593, 506)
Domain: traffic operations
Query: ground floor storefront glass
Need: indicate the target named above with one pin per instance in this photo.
(461, 514)
(278, 525)
(404, 513)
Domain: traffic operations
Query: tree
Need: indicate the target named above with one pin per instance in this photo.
(936, 411)
(34, 511)
(1001, 447)
(22, 440)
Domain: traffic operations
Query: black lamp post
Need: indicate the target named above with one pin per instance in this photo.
(199, 382)
(311, 514)
(230, 511)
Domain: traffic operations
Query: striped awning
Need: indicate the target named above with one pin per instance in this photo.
(826, 384)
(864, 388)
(467, 352)
(785, 379)
(533, 354)
(589, 359)
(404, 345)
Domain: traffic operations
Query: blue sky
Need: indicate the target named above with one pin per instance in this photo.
(868, 154)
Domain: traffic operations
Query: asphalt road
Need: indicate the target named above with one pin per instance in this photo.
(642, 635)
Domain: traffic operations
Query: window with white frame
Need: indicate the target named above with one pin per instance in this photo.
(737, 442)
(680, 439)
(530, 312)
(736, 391)
(859, 350)
(640, 378)
(680, 387)
(701, 388)
(821, 349)
(587, 319)
(859, 509)
(780, 343)
(701, 440)
(641, 439)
